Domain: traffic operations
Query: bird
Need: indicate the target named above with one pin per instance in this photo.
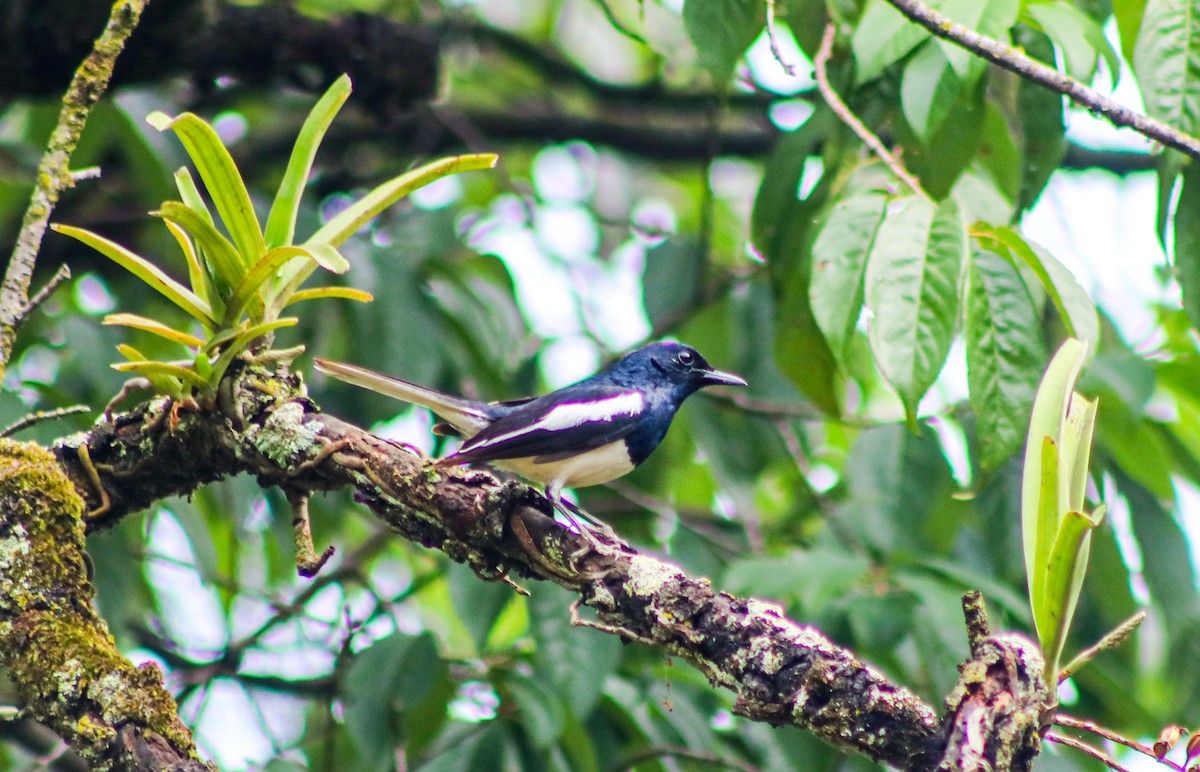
(588, 433)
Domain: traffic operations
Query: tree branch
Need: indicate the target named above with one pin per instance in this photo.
(1034, 71)
(781, 672)
(54, 174)
(53, 645)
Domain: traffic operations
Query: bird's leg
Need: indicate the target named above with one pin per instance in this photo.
(570, 511)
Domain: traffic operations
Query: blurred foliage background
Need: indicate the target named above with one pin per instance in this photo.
(661, 175)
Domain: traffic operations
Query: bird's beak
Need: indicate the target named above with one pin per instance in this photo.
(720, 378)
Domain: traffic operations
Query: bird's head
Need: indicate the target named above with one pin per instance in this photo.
(673, 364)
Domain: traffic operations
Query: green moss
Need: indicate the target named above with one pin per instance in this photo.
(58, 652)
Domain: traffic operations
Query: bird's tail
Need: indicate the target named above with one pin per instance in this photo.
(465, 415)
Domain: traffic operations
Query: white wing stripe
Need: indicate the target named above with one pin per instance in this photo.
(571, 414)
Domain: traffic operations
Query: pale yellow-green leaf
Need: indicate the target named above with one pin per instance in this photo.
(221, 254)
(346, 293)
(365, 209)
(1046, 420)
(244, 339)
(155, 327)
(146, 271)
(1064, 581)
(257, 277)
(152, 369)
(281, 223)
(221, 177)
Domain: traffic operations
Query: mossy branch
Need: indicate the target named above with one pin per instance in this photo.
(782, 672)
(54, 174)
(55, 648)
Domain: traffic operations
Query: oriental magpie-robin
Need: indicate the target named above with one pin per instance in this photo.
(584, 434)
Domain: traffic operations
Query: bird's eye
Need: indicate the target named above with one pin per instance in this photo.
(685, 358)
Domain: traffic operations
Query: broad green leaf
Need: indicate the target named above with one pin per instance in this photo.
(1041, 130)
(1064, 580)
(358, 214)
(144, 270)
(1078, 37)
(561, 646)
(1187, 242)
(155, 327)
(1076, 309)
(992, 18)
(912, 283)
(281, 223)
(929, 90)
(839, 260)
(1005, 355)
(539, 707)
(721, 31)
(345, 293)
(1166, 61)
(221, 177)
(1042, 487)
(883, 37)
(257, 277)
(221, 255)
(1128, 15)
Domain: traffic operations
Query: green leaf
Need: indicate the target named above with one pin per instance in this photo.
(197, 272)
(539, 707)
(1041, 131)
(358, 214)
(346, 293)
(163, 384)
(256, 277)
(561, 646)
(281, 223)
(929, 91)
(912, 289)
(155, 327)
(721, 31)
(1078, 37)
(245, 338)
(1187, 242)
(1166, 61)
(221, 256)
(883, 36)
(1128, 15)
(144, 270)
(184, 374)
(992, 18)
(1064, 580)
(1005, 355)
(839, 261)
(1044, 491)
(221, 177)
(1076, 309)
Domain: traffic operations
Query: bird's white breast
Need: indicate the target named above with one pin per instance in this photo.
(592, 467)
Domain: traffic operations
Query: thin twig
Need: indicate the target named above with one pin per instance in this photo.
(1083, 747)
(62, 274)
(40, 416)
(53, 173)
(847, 116)
(790, 69)
(1009, 58)
(1061, 719)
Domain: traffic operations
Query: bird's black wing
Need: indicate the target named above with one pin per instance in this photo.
(557, 426)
